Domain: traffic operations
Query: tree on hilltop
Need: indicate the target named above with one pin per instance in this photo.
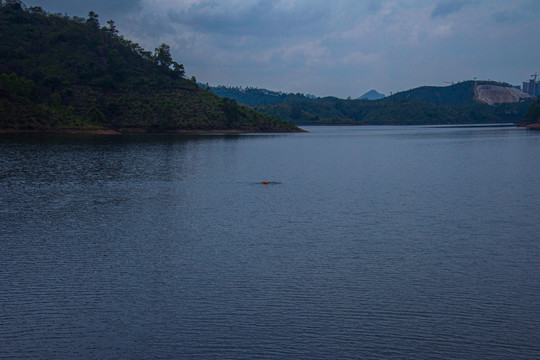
(93, 19)
(162, 56)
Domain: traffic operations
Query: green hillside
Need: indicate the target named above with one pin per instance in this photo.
(256, 96)
(60, 73)
(453, 104)
(461, 94)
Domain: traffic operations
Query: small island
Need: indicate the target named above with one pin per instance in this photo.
(70, 74)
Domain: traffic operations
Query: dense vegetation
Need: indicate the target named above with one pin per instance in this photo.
(423, 105)
(533, 114)
(59, 72)
(255, 96)
(460, 94)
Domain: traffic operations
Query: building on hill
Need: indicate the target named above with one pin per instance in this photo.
(532, 86)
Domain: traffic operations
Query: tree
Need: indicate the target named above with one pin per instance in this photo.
(231, 110)
(111, 30)
(36, 10)
(162, 56)
(178, 69)
(14, 4)
(93, 20)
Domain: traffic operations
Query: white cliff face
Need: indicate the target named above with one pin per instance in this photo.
(493, 94)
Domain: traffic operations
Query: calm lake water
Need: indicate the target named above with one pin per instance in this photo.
(369, 243)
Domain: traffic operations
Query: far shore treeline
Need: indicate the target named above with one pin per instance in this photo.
(454, 104)
(61, 73)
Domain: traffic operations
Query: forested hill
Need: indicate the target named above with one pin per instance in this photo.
(255, 96)
(71, 73)
(461, 94)
(454, 104)
(464, 94)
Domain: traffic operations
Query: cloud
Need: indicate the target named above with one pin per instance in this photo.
(445, 8)
(82, 7)
(261, 18)
(147, 25)
(505, 17)
(374, 6)
(514, 13)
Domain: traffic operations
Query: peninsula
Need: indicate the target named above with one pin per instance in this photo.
(70, 74)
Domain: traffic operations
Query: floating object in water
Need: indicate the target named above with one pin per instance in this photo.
(266, 182)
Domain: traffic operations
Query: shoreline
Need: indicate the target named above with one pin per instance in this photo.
(142, 131)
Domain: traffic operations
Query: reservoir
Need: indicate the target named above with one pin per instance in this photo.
(396, 242)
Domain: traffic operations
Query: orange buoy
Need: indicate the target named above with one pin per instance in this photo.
(265, 182)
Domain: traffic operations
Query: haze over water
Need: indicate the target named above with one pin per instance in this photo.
(372, 243)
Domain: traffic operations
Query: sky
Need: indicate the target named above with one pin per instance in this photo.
(331, 48)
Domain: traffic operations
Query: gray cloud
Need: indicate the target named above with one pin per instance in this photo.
(147, 25)
(507, 17)
(446, 8)
(262, 18)
(82, 7)
(526, 11)
(374, 6)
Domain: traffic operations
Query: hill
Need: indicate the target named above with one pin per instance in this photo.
(371, 95)
(461, 94)
(454, 104)
(68, 73)
(464, 94)
(255, 96)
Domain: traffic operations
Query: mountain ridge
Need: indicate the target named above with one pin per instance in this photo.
(453, 104)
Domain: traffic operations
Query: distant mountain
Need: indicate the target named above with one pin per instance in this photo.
(371, 95)
(59, 73)
(466, 102)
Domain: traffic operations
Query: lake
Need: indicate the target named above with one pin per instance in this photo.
(368, 243)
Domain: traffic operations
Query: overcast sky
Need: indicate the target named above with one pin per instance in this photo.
(338, 47)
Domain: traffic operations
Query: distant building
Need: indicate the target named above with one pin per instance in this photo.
(532, 86)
